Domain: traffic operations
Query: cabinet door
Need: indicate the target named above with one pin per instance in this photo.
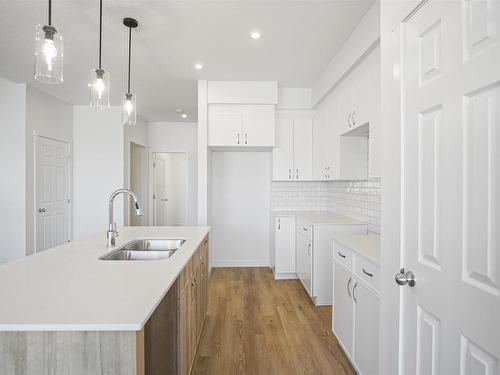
(258, 125)
(325, 140)
(185, 356)
(284, 244)
(308, 269)
(302, 149)
(345, 104)
(366, 329)
(343, 311)
(361, 93)
(283, 150)
(225, 125)
(374, 149)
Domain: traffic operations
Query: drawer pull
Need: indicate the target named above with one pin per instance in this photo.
(304, 229)
(367, 273)
(348, 285)
(341, 255)
(354, 292)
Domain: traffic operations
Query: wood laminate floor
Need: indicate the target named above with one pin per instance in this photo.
(256, 325)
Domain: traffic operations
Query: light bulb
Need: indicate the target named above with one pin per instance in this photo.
(128, 106)
(99, 87)
(49, 51)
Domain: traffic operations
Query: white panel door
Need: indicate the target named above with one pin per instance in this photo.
(450, 76)
(225, 125)
(366, 333)
(283, 150)
(52, 194)
(343, 310)
(258, 125)
(284, 229)
(302, 150)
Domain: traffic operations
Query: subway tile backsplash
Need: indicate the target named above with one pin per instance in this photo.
(359, 199)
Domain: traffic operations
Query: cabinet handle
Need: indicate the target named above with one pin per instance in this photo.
(246, 138)
(349, 119)
(279, 224)
(309, 249)
(297, 174)
(352, 117)
(289, 173)
(238, 138)
(340, 254)
(354, 292)
(348, 285)
(304, 229)
(367, 273)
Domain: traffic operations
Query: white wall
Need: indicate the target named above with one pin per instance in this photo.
(365, 35)
(240, 209)
(13, 168)
(177, 137)
(49, 117)
(98, 168)
(137, 134)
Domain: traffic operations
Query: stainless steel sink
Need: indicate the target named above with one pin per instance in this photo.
(145, 250)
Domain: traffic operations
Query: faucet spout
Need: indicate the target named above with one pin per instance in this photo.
(112, 233)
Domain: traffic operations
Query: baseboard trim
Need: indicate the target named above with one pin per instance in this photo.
(285, 276)
(240, 263)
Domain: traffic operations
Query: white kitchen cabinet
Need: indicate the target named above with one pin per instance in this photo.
(325, 140)
(356, 304)
(284, 247)
(366, 331)
(283, 150)
(241, 125)
(302, 149)
(343, 306)
(292, 154)
(304, 261)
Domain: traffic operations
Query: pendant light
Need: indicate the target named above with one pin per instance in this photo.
(99, 78)
(129, 110)
(48, 52)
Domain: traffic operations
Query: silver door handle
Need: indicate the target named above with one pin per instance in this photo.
(340, 254)
(348, 285)
(403, 278)
(367, 273)
(353, 292)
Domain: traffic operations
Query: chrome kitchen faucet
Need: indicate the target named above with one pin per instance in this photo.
(112, 233)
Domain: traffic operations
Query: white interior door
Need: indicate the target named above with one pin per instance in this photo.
(171, 188)
(52, 193)
(450, 75)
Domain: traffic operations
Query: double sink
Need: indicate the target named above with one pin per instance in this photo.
(154, 249)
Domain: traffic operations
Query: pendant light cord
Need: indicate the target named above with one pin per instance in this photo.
(50, 12)
(100, 31)
(129, 54)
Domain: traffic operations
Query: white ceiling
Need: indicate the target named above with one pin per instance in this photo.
(298, 40)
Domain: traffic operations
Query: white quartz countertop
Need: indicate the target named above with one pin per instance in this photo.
(68, 288)
(319, 217)
(365, 245)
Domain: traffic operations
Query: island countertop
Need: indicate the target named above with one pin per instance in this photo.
(67, 288)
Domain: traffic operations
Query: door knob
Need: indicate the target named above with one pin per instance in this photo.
(403, 278)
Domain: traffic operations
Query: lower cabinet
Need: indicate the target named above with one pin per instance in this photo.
(284, 247)
(355, 318)
(193, 293)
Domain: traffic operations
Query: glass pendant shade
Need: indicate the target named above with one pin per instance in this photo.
(99, 88)
(129, 109)
(48, 55)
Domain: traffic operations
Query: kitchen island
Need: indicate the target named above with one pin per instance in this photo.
(65, 311)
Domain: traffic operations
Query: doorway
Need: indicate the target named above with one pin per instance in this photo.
(138, 181)
(52, 184)
(169, 188)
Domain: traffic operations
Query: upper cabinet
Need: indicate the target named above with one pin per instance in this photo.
(292, 154)
(241, 125)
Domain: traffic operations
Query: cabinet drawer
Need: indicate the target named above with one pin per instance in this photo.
(368, 271)
(342, 255)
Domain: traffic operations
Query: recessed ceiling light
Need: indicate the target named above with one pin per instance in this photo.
(198, 66)
(255, 35)
(178, 110)
(184, 115)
